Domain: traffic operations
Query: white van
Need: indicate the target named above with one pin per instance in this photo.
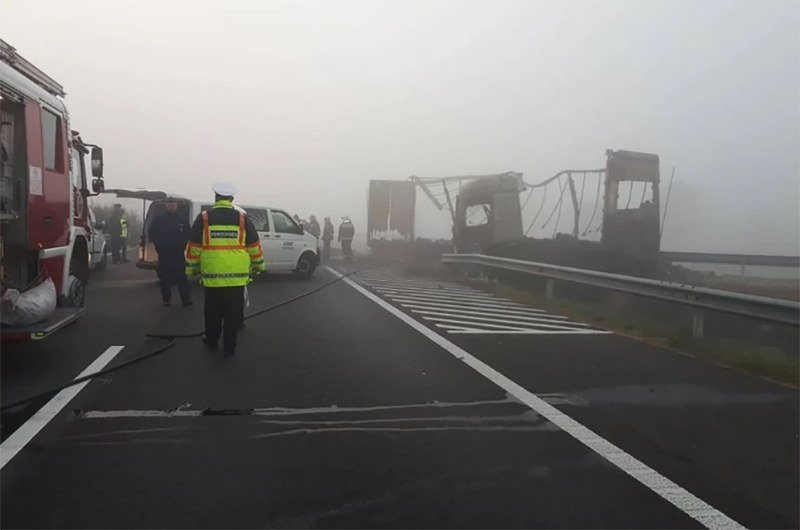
(287, 247)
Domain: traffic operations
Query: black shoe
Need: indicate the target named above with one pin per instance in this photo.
(211, 345)
(187, 303)
(166, 303)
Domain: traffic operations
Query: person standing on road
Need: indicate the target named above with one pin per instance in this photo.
(114, 228)
(123, 235)
(313, 226)
(169, 233)
(346, 233)
(327, 237)
(224, 248)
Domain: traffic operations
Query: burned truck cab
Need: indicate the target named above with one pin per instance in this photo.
(633, 230)
(487, 211)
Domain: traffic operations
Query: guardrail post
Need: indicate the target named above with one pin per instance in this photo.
(698, 322)
(549, 287)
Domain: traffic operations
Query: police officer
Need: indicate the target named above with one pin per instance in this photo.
(225, 250)
(118, 228)
(169, 232)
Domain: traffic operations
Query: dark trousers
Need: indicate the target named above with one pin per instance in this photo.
(223, 308)
(347, 247)
(326, 249)
(117, 249)
(172, 271)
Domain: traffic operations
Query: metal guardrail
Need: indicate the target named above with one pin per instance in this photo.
(733, 259)
(701, 298)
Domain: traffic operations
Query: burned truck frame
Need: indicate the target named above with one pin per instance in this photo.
(487, 210)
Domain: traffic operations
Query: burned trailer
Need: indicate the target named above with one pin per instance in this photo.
(391, 206)
(488, 211)
(632, 229)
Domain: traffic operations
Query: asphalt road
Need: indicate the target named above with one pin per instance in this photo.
(387, 401)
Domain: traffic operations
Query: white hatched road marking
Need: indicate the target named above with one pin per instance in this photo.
(682, 499)
(467, 319)
(551, 319)
(482, 307)
(496, 305)
(463, 310)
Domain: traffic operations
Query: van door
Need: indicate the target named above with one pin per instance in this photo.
(260, 219)
(289, 240)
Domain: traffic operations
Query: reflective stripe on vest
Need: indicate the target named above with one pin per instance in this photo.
(224, 261)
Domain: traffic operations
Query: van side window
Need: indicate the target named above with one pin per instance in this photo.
(51, 140)
(283, 223)
(259, 219)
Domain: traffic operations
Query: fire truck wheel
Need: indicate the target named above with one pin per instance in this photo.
(76, 284)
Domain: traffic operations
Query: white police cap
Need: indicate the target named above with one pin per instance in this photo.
(225, 189)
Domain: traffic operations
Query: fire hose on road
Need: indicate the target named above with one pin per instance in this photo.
(173, 340)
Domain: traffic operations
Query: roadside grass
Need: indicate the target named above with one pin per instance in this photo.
(738, 354)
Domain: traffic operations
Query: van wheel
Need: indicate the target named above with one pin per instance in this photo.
(101, 265)
(306, 265)
(76, 284)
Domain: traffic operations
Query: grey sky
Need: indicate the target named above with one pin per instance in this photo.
(301, 103)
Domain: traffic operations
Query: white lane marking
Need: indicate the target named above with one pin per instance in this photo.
(441, 295)
(483, 325)
(495, 305)
(478, 321)
(183, 412)
(482, 308)
(473, 331)
(546, 319)
(413, 290)
(411, 283)
(682, 499)
(42, 417)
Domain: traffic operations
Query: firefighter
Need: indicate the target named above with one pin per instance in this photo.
(169, 233)
(224, 248)
(346, 233)
(327, 237)
(115, 228)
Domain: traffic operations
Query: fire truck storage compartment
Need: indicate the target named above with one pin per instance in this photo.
(19, 264)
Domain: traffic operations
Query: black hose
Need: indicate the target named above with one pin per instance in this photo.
(172, 342)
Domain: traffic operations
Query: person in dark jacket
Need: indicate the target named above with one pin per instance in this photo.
(327, 237)
(169, 232)
(313, 226)
(114, 228)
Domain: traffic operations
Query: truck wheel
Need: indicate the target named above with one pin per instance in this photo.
(306, 266)
(76, 284)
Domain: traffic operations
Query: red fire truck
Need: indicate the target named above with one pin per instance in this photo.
(45, 231)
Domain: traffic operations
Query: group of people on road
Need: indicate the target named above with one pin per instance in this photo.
(223, 247)
(346, 233)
